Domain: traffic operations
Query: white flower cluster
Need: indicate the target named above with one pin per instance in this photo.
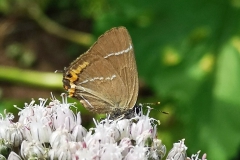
(53, 131)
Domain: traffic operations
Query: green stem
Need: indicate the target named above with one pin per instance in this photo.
(39, 79)
(52, 27)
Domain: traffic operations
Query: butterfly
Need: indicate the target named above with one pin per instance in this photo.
(105, 77)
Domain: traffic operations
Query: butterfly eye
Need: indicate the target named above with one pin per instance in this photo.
(69, 75)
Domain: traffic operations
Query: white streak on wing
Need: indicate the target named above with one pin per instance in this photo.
(120, 52)
(98, 78)
(114, 76)
(83, 89)
(84, 82)
(87, 101)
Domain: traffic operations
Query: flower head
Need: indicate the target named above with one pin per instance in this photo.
(53, 131)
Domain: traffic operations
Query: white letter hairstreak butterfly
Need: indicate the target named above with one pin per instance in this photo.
(105, 78)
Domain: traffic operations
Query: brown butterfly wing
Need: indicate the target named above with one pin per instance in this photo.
(105, 78)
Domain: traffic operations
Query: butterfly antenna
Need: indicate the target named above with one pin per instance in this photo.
(58, 71)
(155, 103)
(152, 104)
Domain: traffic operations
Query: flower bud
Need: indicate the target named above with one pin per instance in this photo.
(31, 150)
(178, 152)
(14, 156)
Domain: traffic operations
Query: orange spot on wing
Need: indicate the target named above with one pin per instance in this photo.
(74, 77)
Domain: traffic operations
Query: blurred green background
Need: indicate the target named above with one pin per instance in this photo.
(187, 53)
